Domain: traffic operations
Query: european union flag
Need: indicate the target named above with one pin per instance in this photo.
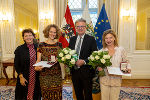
(102, 24)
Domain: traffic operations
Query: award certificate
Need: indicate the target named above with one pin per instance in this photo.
(43, 63)
(117, 71)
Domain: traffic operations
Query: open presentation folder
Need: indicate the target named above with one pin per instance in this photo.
(43, 63)
(116, 71)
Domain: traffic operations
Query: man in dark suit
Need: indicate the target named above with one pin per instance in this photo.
(82, 73)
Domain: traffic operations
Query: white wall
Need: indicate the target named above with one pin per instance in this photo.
(139, 59)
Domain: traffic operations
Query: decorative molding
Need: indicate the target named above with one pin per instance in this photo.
(140, 45)
(141, 75)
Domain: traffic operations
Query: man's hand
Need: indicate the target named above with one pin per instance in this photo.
(80, 62)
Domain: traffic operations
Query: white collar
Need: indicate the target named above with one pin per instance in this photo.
(81, 36)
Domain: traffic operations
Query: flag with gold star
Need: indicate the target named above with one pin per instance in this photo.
(102, 24)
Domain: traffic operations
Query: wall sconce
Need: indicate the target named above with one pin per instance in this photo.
(35, 31)
(46, 16)
(5, 16)
(127, 13)
(20, 29)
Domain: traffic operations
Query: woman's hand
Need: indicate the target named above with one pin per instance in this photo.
(128, 70)
(23, 81)
(38, 68)
(99, 68)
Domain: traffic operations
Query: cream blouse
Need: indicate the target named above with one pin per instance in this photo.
(119, 55)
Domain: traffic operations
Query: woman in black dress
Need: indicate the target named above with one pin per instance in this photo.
(27, 86)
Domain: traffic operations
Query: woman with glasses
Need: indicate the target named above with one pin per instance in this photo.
(82, 73)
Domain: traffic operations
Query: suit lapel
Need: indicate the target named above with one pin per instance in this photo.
(74, 43)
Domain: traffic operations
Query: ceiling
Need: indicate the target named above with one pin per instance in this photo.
(30, 5)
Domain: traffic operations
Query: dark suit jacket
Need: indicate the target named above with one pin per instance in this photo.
(22, 64)
(88, 46)
(83, 75)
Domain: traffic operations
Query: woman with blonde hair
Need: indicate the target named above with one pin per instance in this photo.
(110, 84)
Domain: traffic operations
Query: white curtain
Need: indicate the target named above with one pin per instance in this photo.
(7, 31)
(45, 7)
(128, 26)
(112, 9)
(56, 8)
(60, 8)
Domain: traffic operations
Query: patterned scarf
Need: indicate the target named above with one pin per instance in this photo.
(32, 73)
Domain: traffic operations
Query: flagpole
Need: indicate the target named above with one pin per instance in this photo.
(86, 2)
(103, 1)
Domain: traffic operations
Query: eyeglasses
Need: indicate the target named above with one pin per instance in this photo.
(80, 26)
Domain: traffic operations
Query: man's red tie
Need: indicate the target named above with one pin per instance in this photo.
(32, 73)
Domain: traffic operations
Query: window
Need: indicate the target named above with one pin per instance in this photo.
(77, 7)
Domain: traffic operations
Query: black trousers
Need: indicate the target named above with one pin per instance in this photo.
(82, 82)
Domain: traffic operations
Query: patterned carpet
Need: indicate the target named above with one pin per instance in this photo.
(7, 92)
(135, 93)
(126, 93)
